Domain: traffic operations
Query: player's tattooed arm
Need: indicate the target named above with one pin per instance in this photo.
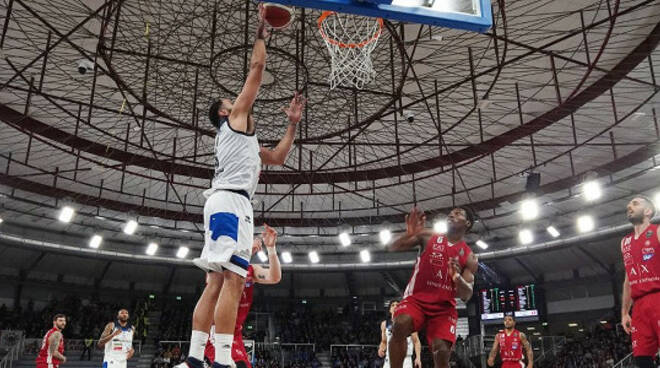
(416, 234)
(107, 335)
(53, 344)
(272, 274)
(528, 350)
(493, 352)
(464, 279)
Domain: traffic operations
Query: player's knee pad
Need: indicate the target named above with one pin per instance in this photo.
(644, 362)
(241, 364)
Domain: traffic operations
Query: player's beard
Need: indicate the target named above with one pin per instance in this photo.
(636, 218)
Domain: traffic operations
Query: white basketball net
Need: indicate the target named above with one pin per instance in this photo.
(350, 40)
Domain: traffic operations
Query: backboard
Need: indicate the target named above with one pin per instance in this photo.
(469, 15)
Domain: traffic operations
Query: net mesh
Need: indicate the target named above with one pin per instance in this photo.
(350, 39)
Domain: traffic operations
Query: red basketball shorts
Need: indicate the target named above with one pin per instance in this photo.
(646, 325)
(439, 323)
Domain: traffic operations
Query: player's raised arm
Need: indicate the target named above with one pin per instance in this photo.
(416, 234)
(272, 274)
(277, 155)
(243, 105)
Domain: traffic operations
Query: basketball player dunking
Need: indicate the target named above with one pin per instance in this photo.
(117, 339)
(510, 343)
(444, 270)
(641, 287)
(256, 274)
(228, 216)
(51, 354)
(412, 341)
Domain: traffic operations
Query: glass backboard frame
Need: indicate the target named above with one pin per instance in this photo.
(414, 14)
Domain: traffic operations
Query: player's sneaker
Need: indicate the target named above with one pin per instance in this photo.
(190, 363)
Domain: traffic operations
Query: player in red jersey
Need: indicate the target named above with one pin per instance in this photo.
(256, 274)
(641, 287)
(510, 343)
(51, 354)
(444, 270)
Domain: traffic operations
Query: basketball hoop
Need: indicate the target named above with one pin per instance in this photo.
(350, 40)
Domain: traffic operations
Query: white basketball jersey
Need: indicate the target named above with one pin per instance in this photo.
(117, 348)
(388, 332)
(237, 161)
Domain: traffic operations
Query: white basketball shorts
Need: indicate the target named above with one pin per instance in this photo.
(114, 363)
(228, 232)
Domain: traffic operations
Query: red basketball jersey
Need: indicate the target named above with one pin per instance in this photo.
(510, 346)
(44, 357)
(430, 284)
(641, 257)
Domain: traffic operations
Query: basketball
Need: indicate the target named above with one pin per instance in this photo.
(278, 16)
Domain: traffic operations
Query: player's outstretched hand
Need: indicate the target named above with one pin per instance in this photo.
(269, 235)
(454, 268)
(381, 352)
(626, 322)
(256, 246)
(418, 363)
(415, 221)
(295, 108)
(491, 362)
(262, 29)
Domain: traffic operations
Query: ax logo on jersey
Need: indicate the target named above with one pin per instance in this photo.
(436, 259)
(514, 346)
(647, 253)
(649, 234)
(438, 246)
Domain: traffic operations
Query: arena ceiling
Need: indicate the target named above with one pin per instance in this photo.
(565, 89)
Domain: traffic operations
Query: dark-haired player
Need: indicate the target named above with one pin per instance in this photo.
(413, 343)
(510, 343)
(51, 354)
(641, 287)
(117, 341)
(444, 270)
(228, 216)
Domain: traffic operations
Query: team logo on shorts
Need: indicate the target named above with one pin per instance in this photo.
(647, 253)
(248, 219)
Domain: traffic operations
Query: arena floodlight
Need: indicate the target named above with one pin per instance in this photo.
(482, 244)
(526, 236)
(591, 190)
(152, 248)
(286, 257)
(585, 223)
(66, 214)
(529, 209)
(130, 227)
(345, 239)
(572, 324)
(531, 328)
(553, 231)
(440, 227)
(182, 252)
(314, 257)
(1, 220)
(385, 236)
(365, 256)
(262, 256)
(95, 241)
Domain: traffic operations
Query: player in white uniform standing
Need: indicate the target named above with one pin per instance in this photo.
(413, 342)
(228, 217)
(117, 339)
